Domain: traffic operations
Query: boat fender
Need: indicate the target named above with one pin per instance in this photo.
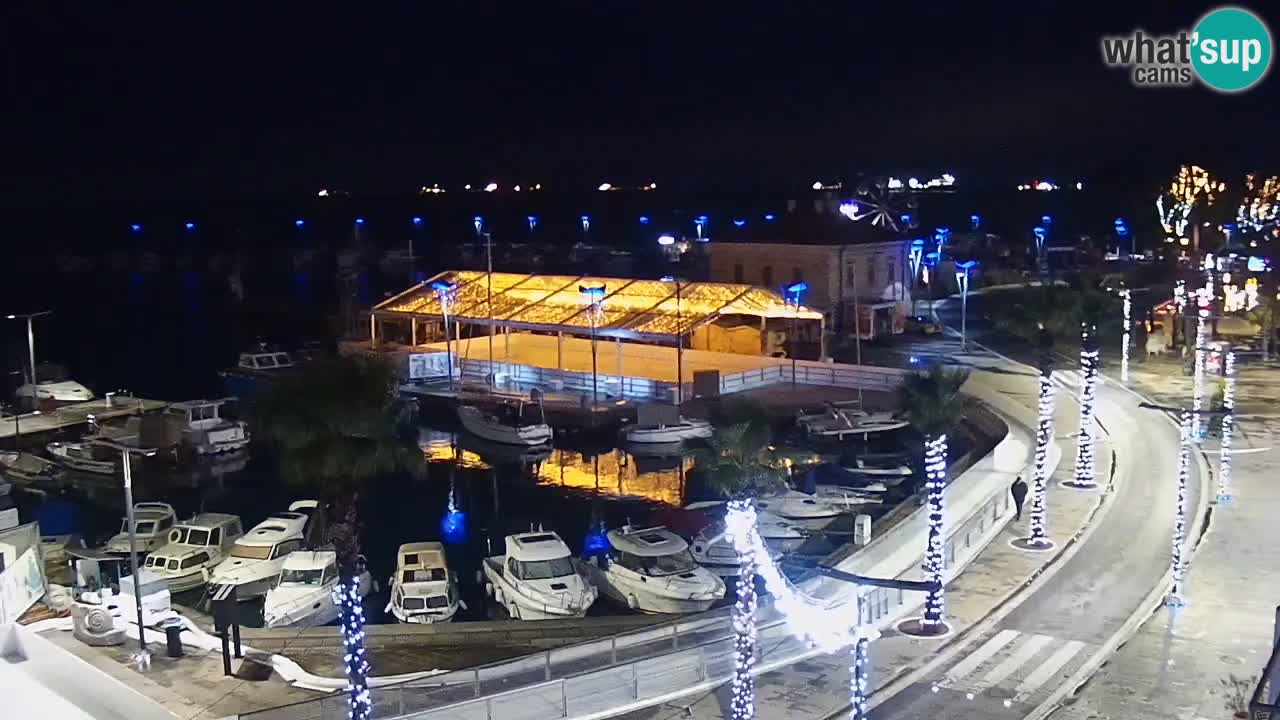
(462, 604)
(632, 602)
(174, 534)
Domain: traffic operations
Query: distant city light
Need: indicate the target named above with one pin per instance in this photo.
(322, 193)
(653, 186)
(604, 186)
(665, 240)
(517, 188)
(1046, 219)
(467, 186)
(299, 222)
(849, 209)
(417, 220)
(359, 221)
(644, 219)
(817, 185)
(533, 221)
(135, 227)
(491, 187)
(190, 226)
(739, 222)
(770, 217)
(1079, 185)
(537, 186)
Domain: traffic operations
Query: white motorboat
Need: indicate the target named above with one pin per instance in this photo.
(801, 509)
(838, 424)
(256, 558)
(862, 467)
(684, 429)
(151, 524)
(303, 594)
(88, 457)
(205, 430)
(195, 546)
(525, 424)
(55, 392)
(423, 590)
(851, 498)
(714, 550)
(652, 570)
(538, 578)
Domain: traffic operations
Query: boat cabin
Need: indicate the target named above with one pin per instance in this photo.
(313, 568)
(152, 522)
(538, 556)
(197, 414)
(265, 361)
(654, 552)
(280, 534)
(422, 582)
(197, 542)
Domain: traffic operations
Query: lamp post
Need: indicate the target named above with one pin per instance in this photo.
(962, 279)
(917, 255)
(793, 293)
(125, 451)
(444, 290)
(679, 346)
(31, 345)
(594, 294)
(488, 301)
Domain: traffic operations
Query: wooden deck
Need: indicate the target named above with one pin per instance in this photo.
(69, 416)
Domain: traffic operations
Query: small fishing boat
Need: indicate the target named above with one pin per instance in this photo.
(256, 558)
(203, 428)
(303, 594)
(523, 424)
(255, 370)
(151, 524)
(538, 578)
(423, 590)
(22, 468)
(714, 550)
(88, 457)
(679, 431)
(651, 570)
(194, 547)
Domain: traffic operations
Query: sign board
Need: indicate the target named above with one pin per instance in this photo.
(427, 365)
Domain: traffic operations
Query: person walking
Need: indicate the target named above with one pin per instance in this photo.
(1019, 490)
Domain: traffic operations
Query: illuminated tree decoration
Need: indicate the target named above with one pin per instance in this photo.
(1260, 204)
(1128, 328)
(1189, 187)
(346, 595)
(1084, 475)
(858, 671)
(1204, 298)
(1180, 520)
(1039, 538)
(743, 704)
(935, 468)
(1228, 426)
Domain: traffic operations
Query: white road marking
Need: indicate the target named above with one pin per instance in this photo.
(962, 669)
(1055, 663)
(1010, 664)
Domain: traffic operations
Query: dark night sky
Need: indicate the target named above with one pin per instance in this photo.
(257, 97)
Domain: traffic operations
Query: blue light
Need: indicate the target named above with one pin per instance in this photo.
(1046, 219)
(585, 218)
(975, 221)
(666, 240)
(595, 293)
(1257, 264)
(917, 243)
(906, 218)
(1039, 232)
(770, 217)
(967, 264)
(797, 289)
(359, 221)
(298, 223)
(701, 218)
(644, 219)
(453, 526)
(739, 222)
(135, 227)
(417, 220)
(915, 360)
(596, 542)
(442, 286)
(191, 226)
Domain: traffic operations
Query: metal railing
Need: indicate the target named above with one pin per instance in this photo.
(811, 373)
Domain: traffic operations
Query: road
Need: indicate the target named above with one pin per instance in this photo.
(1014, 666)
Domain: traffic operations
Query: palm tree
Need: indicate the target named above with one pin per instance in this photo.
(333, 428)
(729, 462)
(932, 402)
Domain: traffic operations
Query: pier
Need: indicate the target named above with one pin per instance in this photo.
(76, 414)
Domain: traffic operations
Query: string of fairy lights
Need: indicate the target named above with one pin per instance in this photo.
(1204, 299)
(1228, 426)
(1040, 477)
(346, 595)
(1180, 520)
(743, 702)
(935, 467)
(1085, 467)
(1125, 337)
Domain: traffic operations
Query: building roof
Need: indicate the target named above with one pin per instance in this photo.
(647, 542)
(631, 308)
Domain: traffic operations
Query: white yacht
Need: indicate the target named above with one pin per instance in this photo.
(53, 387)
(205, 430)
(151, 524)
(651, 570)
(525, 424)
(683, 429)
(423, 590)
(195, 546)
(303, 594)
(713, 549)
(538, 578)
(804, 510)
(86, 456)
(837, 423)
(257, 557)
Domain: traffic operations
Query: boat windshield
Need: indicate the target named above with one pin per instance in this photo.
(659, 565)
(251, 552)
(145, 527)
(544, 569)
(191, 536)
(301, 577)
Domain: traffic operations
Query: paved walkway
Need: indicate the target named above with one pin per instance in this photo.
(1172, 667)
(819, 687)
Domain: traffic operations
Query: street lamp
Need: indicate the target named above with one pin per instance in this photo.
(143, 657)
(679, 341)
(594, 295)
(444, 290)
(31, 345)
(793, 293)
(962, 279)
(917, 256)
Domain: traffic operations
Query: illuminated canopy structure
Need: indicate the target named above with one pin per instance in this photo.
(644, 310)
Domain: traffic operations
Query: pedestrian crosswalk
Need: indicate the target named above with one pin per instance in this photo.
(1013, 665)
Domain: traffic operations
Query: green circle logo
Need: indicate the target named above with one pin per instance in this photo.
(1231, 49)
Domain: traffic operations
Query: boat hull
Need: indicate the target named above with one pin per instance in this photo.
(528, 608)
(528, 435)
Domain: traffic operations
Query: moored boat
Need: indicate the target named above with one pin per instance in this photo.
(303, 593)
(255, 560)
(651, 570)
(423, 589)
(537, 578)
(524, 424)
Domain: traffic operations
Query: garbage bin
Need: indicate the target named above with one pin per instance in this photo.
(173, 640)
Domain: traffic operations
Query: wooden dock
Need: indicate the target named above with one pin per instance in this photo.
(74, 415)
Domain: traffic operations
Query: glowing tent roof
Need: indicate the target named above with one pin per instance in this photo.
(631, 308)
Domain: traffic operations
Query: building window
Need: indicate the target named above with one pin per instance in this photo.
(871, 274)
(737, 272)
(893, 272)
(852, 273)
(766, 276)
(797, 275)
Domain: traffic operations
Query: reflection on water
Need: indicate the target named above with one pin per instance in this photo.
(613, 472)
